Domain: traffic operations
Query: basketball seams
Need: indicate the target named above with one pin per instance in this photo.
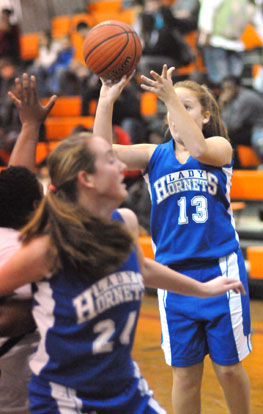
(115, 57)
(106, 40)
(121, 26)
(108, 54)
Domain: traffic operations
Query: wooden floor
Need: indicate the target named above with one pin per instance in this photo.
(148, 354)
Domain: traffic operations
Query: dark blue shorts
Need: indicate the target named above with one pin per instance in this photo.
(219, 326)
(51, 398)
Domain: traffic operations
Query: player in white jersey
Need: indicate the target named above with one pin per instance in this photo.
(83, 260)
(193, 232)
(20, 192)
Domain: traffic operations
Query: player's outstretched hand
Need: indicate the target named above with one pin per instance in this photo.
(24, 95)
(222, 284)
(112, 90)
(162, 84)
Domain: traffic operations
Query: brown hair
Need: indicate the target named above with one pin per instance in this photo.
(93, 246)
(215, 126)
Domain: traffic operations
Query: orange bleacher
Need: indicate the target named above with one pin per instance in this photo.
(247, 185)
(59, 127)
(102, 5)
(65, 106)
(43, 149)
(146, 245)
(255, 258)
(60, 26)
(148, 104)
(29, 45)
(247, 156)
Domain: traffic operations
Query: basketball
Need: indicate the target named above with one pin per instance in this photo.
(112, 49)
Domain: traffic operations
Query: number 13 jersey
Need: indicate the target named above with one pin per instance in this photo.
(191, 218)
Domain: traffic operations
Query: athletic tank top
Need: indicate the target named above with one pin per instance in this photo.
(87, 329)
(191, 217)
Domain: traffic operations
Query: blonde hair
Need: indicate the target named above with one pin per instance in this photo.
(93, 246)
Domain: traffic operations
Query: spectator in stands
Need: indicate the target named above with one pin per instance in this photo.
(77, 78)
(138, 200)
(55, 57)
(161, 45)
(49, 50)
(9, 37)
(185, 13)
(242, 112)
(9, 120)
(90, 90)
(60, 66)
(127, 113)
(221, 24)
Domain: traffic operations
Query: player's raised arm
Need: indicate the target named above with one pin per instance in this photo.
(32, 114)
(134, 156)
(109, 94)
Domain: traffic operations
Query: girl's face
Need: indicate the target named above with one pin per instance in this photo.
(193, 106)
(108, 177)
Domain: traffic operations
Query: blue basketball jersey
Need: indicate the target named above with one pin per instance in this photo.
(191, 216)
(87, 329)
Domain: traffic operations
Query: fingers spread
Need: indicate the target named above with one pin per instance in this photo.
(50, 103)
(14, 99)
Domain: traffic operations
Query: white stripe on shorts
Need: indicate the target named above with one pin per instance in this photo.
(229, 268)
(155, 406)
(166, 345)
(66, 399)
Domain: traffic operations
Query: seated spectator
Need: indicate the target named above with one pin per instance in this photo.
(138, 200)
(77, 78)
(9, 37)
(221, 24)
(185, 13)
(127, 113)
(54, 59)
(60, 66)
(242, 112)
(119, 136)
(49, 50)
(9, 120)
(90, 90)
(163, 45)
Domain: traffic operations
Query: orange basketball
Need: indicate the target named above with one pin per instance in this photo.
(112, 49)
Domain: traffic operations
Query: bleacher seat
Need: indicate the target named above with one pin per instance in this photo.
(146, 245)
(66, 106)
(247, 185)
(148, 104)
(59, 127)
(250, 38)
(43, 149)
(255, 259)
(247, 156)
(29, 45)
(60, 26)
(103, 5)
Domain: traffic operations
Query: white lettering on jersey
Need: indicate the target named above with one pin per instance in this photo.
(107, 292)
(187, 180)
